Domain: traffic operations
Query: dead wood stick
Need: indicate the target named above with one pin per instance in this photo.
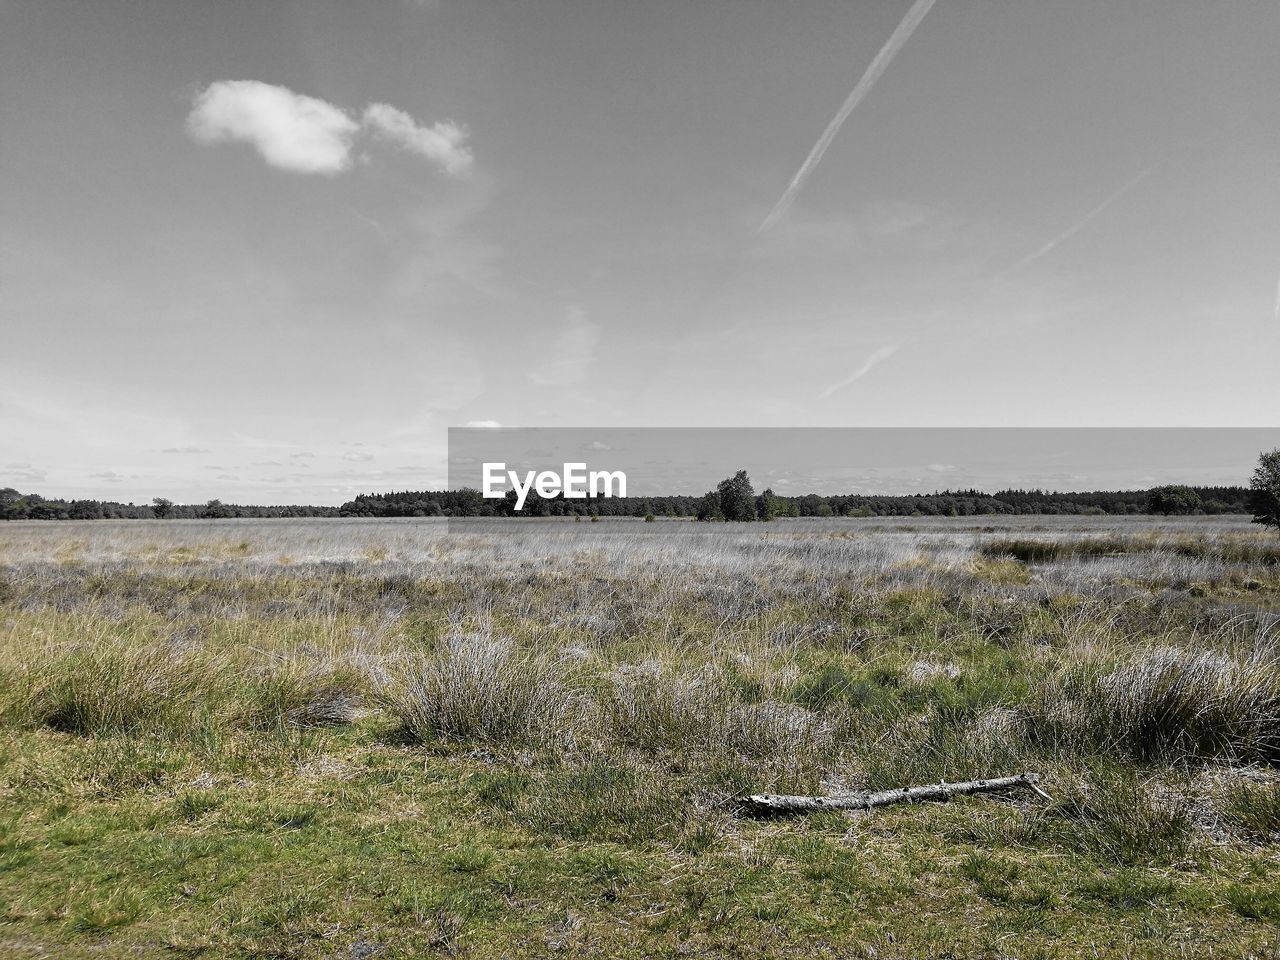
(781, 803)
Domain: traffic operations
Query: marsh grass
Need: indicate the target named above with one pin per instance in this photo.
(540, 734)
(107, 687)
(604, 798)
(1110, 812)
(478, 688)
(1255, 807)
(1166, 703)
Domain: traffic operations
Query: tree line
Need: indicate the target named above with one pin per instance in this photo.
(32, 506)
(733, 499)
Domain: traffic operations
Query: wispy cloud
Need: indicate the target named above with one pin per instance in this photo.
(304, 134)
(1083, 222)
(884, 353)
(174, 450)
(896, 41)
(443, 143)
(20, 472)
(482, 424)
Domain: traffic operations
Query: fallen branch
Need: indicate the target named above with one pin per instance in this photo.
(765, 803)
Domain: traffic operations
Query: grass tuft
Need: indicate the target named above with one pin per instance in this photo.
(484, 689)
(107, 688)
(1168, 704)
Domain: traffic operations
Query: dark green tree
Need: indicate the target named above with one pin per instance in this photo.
(162, 507)
(709, 507)
(13, 506)
(769, 506)
(215, 510)
(1172, 499)
(1264, 490)
(737, 497)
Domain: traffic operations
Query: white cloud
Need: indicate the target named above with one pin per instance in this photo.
(290, 130)
(444, 143)
(186, 450)
(482, 424)
(307, 135)
(357, 457)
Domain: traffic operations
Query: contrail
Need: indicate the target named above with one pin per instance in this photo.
(878, 66)
(884, 353)
(1083, 222)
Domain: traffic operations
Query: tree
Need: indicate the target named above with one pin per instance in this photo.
(12, 504)
(737, 497)
(1172, 499)
(1264, 490)
(215, 510)
(769, 506)
(162, 507)
(709, 507)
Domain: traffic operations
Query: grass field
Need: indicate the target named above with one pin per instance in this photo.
(523, 739)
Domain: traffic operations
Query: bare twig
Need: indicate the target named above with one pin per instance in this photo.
(766, 803)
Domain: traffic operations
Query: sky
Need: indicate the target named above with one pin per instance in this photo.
(270, 252)
(689, 461)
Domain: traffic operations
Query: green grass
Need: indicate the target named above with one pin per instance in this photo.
(206, 753)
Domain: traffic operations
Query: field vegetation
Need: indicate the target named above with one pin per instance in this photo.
(398, 738)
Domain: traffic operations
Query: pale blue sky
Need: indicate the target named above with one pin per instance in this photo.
(588, 254)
